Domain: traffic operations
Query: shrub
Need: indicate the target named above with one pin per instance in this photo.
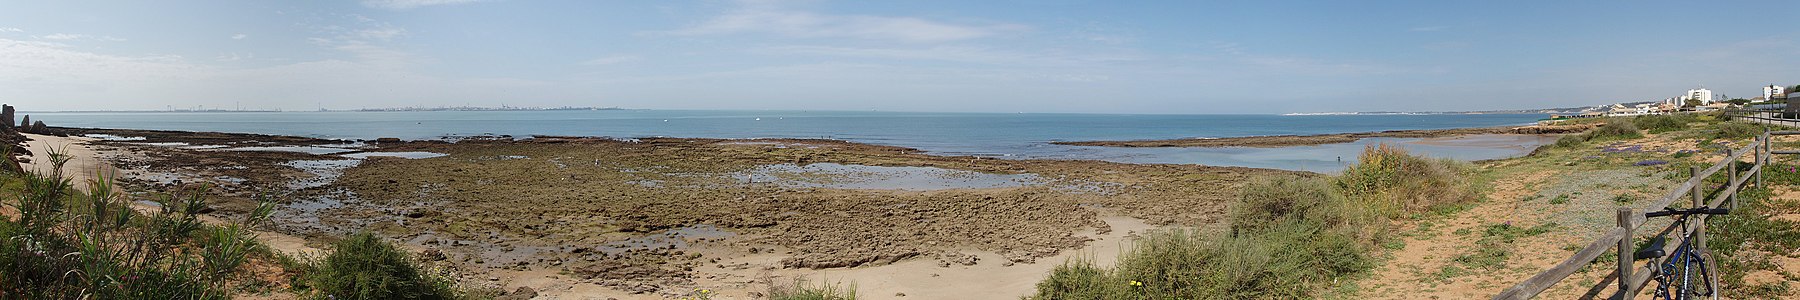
(66, 244)
(1391, 181)
(1662, 123)
(364, 266)
(1736, 130)
(1614, 130)
(1571, 140)
(1270, 200)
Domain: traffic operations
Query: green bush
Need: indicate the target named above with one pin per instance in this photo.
(1388, 179)
(364, 266)
(1662, 123)
(66, 244)
(1272, 200)
(1736, 130)
(1571, 140)
(1614, 130)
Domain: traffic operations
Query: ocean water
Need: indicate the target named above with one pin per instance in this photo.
(1011, 136)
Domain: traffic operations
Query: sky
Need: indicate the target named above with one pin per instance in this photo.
(1155, 57)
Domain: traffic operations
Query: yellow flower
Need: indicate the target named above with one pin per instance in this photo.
(1136, 283)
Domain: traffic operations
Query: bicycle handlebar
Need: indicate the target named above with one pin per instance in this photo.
(1691, 211)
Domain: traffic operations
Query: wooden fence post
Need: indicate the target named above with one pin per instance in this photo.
(1625, 255)
(1699, 188)
(1733, 166)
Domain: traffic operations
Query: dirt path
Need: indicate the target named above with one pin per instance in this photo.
(1428, 267)
(85, 163)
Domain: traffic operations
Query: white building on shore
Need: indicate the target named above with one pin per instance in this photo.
(1774, 92)
(1704, 95)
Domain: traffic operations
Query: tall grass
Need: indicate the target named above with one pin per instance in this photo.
(65, 244)
(1289, 236)
(801, 290)
(1396, 183)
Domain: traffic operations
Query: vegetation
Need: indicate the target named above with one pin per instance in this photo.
(1614, 129)
(1747, 229)
(1663, 123)
(1736, 130)
(366, 267)
(800, 290)
(1289, 236)
(61, 243)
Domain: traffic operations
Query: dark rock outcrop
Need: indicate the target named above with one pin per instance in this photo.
(23, 126)
(6, 116)
(38, 127)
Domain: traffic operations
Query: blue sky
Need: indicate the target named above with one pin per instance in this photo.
(980, 56)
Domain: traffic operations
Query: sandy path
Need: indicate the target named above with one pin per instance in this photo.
(1417, 270)
(85, 163)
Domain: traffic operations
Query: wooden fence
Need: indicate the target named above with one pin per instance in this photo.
(1631, 279)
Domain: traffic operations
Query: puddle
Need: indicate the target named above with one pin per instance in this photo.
(109, 137)
(148, 203)
(676, 239)
(841, 176)
(203, 147)
(324, 171)
(165, 144)
(316, 150)
(406, 155)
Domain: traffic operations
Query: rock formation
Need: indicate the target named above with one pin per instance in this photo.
(6, 116)
(38, 127)
(24, 126)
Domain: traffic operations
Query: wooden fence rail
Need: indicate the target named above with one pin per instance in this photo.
(1619, 238)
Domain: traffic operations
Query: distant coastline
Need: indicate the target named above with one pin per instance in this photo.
(458, 108)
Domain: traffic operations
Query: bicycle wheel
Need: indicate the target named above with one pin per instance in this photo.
(1702, 284)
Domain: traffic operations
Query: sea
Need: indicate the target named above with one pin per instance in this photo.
(999, 135)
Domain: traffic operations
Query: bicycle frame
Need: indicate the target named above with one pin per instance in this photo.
(1686, 256)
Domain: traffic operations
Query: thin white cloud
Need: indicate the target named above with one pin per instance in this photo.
(239, 36)
(801, 24)
(382, 33)
(610, 60)
(1428, 28)
(411, 4)
(964, 54)
(62, 36)
(71, 36)
(11, 29)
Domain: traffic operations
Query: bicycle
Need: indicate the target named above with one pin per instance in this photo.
(1687, 260)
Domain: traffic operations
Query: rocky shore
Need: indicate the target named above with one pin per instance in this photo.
(1275, 141)
(660, 217)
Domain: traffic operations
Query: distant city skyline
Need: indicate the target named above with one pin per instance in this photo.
(1056, 56)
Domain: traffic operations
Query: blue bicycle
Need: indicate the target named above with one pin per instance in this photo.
(1676, 278)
